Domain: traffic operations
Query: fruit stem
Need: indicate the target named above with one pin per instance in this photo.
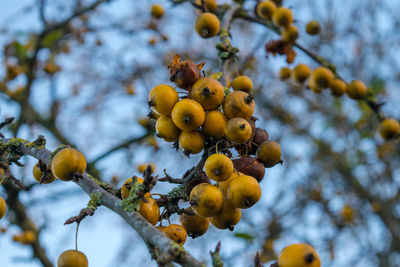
(76, 236)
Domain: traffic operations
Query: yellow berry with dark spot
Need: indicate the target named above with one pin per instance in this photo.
(284, 73)
(265, 9)
(238, 104)
(269, 153)
(157, 11)
(313, 27)
(389, 128)
(238, 130)
(208, 92)
(37, 174)
(228, 217)
(244, 191)
(194, 225)
(176, 232)
(301, 72)
(299, 255)
(67, 163)
(283, 17)
(206, 200)
(207, 25)
(322, 77)
(218, 167)
(290, 34)
(188, 115)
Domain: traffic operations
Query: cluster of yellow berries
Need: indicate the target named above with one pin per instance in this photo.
(205, 116)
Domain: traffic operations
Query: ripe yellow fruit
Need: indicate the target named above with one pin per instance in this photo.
(206, 200)
(265, 9)
(166, 129)
(269, 153)
(290, 34)
(322, 77)
(142, 167)
(284, 73)
(389, 128)
(208, 92)
(316, 89)
(223, 186)
(301, 72)
(68, 162)
(299, 255)
(191, 142)
(157, 11)
(242, 83)
(188, 115)
(219, 167)
(356, 89)
(149, 210)
(283, 17)
(194, 225)
(238, 130)
(72, 258)
(313, 27)
(239, 104)
(228, 217)
(207, 25)
(163, 98)
(37, 174)
(211, 5)
(214, 124)
(244, 191)
(3, 207)
(176, 232)
(126, 189)
(338, 87)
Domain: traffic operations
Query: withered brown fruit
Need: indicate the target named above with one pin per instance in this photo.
(250, 166)
(184, 74)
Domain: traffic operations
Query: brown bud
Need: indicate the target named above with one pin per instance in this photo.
(260, 136)
(250, 166)
(184, 74)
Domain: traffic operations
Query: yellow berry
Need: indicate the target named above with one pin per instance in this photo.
(389, 128)
(157, 11)
(269, 153)
(37, 174)
(356, 89)
(284, 73)
(142, 167)
(313, 27)
(176, 232)
(191, 142)
(283, 17)
(347, 213)
(188, 115)
(208, 92)
(68, 162)
(214, 124)
(207, 25)
(162, 98)
(72, 258)
(338, 87)
(194, 225)
(3, 207)
(149, 209)
(228, 216)
(238, 104)
(316, 89)
(126, 187)
(238, 130)
(290, 34)
(166, 129)
(242, 83)
(206, 200)
(265, 9)
(301, 72)
(322, 77)
(244, 191)
(223, 186)
(218, 167)
(299, 255)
